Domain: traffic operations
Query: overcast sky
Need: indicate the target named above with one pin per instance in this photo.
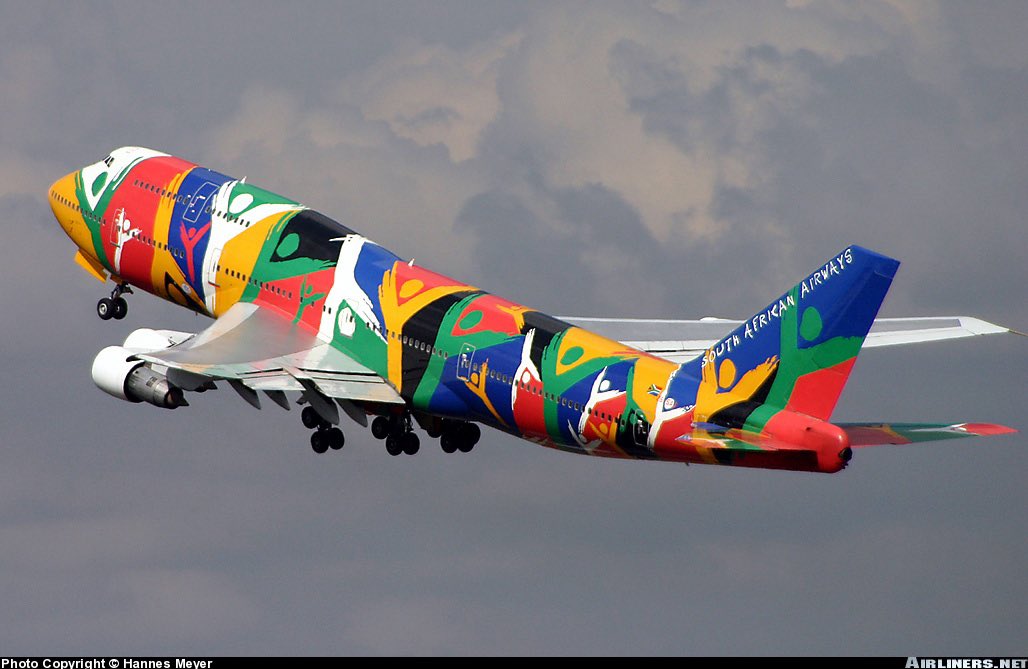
(657, 159)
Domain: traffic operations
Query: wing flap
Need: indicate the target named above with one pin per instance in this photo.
(262, 350)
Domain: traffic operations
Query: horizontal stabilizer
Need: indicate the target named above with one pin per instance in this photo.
(884, 434)
(682, 340)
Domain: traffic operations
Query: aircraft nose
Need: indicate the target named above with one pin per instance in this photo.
(63, 196)
(62, 201)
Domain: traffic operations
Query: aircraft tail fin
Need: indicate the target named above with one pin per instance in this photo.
(796, 354)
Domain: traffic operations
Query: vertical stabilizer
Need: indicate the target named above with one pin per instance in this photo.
(797, 352)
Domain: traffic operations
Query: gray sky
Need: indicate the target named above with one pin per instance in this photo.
(620, 159)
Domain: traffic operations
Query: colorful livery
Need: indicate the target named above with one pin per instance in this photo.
(305, 304)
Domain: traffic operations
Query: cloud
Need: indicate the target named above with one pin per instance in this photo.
(433, 94)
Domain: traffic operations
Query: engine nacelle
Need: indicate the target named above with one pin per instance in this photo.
(133, 381)
(146, 339)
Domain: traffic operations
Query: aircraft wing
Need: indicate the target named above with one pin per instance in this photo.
(255, 348)
(683, 340)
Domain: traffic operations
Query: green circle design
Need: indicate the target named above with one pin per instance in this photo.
(288, 245)
(471, 320)
(99, 182)
(572, 355)
(810, 324)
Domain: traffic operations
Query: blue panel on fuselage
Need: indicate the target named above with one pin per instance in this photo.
(503, 359)
(190, 226)
(567, 416)
(682, 388)
(372, 264)
(454, 395)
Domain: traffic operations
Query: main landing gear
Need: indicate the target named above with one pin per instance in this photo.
(398, 434)
(399, 437)
(396, 430)
(325, 436)
(114, 306)
(459, 436)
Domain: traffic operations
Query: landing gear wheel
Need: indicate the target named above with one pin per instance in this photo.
(336, 440)
(393, 445)
(120, 308)
(310, 418)
(469, 436)
(410, 443)
(380, 427)
(448, 443)
(105, 308)
(319, 441)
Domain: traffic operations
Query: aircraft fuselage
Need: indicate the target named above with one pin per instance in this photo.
(207, 241)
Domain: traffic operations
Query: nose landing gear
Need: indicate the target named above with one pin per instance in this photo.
(114, 306)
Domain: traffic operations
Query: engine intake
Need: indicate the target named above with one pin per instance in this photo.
(133, 381)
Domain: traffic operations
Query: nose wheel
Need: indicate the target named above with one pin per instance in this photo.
(115, 306)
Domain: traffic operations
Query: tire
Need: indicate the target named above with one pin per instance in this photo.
(336, 439)
(410, 443)
(380, 427)
(105, 308)
(319, 442)
(310, 418)
(465, 446)
(120, 308)
(393, 445)
(448, 443)
(471, 433)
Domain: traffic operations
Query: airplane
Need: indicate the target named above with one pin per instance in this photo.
(303, 304)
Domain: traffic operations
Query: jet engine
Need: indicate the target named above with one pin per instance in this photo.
(116, 372)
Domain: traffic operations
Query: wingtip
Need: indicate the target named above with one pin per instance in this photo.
(978, 326)
(985, 429)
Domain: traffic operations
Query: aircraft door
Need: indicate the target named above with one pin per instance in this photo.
(212, 271)
(464, 361)
(640, 427)
(116, 223)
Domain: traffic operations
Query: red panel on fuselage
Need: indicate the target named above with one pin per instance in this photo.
(529, 410)
(498, 315)
(311, 294)
(134, 208)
